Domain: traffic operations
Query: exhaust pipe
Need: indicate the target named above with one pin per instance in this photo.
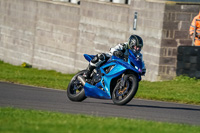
(81, 79)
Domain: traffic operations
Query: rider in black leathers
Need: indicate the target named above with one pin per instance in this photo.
(135, 43)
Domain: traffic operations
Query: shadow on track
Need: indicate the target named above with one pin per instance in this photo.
(158, 107)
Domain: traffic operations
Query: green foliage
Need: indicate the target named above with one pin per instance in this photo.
(30, 121)
(183, 78)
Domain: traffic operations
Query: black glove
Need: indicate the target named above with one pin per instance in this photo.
(118, 54)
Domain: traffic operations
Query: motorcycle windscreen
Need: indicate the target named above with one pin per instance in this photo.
(136, 62)
(94, 92)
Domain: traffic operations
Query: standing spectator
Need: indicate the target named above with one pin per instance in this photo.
(195, 29)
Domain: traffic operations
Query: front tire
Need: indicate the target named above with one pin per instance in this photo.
(75, 90)
(122, 96)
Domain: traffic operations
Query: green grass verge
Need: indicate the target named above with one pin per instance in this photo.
(182, 89)
(30, 121)
(33, 76)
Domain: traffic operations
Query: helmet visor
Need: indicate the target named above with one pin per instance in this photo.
(132, 44)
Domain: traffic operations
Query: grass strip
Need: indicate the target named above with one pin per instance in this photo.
(30, 121)
(33, 76)
(182, 89)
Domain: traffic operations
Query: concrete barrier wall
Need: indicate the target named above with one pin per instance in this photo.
(149, 27)
(102, 25)
(17, 29)
(55, 35)
(41, 33)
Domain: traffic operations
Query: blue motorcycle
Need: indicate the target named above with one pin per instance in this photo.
(117, 79)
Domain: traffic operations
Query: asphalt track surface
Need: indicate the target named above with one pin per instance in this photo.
(28, 97)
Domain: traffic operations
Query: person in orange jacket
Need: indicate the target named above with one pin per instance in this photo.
(195, 26)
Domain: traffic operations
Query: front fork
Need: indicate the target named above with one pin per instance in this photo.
(124, 85)
(123, 81)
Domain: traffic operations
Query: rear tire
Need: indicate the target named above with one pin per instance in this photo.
(75, 90)
(126, 94)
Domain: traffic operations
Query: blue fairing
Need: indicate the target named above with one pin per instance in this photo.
(93, 91)
(88, 57)
(119, 66)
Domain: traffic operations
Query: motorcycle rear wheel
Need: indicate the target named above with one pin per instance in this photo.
(75, 90)
(122, 96)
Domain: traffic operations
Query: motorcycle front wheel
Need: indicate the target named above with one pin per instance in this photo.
(123, 95)
(75, 90)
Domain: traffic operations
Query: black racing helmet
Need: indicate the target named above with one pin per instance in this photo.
(133, 41)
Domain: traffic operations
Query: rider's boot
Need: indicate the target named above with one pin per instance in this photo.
(88, 72)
